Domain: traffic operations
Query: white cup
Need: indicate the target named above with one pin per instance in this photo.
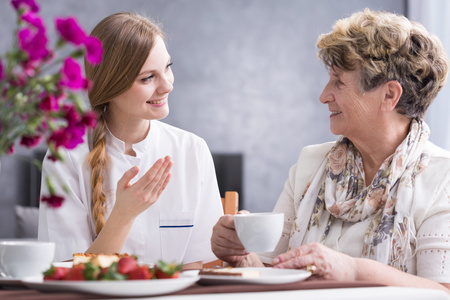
(259, 232)
(20, 259)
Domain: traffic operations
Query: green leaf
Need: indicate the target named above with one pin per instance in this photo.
(77, 53)
(61, 42)
(91, 272)
(169, 268)
(112, 274)
(50, 186)
(50, 271)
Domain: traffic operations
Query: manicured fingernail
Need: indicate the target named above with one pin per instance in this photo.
(275, 261)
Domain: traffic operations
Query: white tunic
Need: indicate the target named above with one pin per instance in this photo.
(430, 212)
(177, 227)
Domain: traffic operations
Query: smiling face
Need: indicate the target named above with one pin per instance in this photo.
(354, 113)
(147, 99)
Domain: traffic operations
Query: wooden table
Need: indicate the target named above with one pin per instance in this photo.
(317, 289)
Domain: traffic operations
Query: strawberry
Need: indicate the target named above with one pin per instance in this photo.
(75, 273)
(55, 273)
(102, 273)
(126, 264)
(167, 270)
(140, 273)
(161, 275)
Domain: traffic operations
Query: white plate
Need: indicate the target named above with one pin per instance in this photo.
(10, 281)
(64, 264)
(127, 288)
(268, 276)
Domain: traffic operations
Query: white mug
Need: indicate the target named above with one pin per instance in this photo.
(20, 259)
(259, 232)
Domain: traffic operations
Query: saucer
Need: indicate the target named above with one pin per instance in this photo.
(11, 281)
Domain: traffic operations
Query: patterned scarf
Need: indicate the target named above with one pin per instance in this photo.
(337, 191)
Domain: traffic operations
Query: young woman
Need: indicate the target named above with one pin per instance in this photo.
(136, 185)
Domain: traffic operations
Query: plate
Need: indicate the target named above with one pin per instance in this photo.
(268, 276)
(64, 264)
(127, 288)
(10, 281)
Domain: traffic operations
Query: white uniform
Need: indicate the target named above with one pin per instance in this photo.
(177, 227)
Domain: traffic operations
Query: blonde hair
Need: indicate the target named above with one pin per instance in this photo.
(384, 46)
(127, 39)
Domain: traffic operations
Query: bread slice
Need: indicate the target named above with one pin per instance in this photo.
(241, 272)
(102, 260)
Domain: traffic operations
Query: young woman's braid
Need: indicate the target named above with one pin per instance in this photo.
(98, 160)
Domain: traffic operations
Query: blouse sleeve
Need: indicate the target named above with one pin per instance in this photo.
(433, 235)
(69, 225)
(208, 212)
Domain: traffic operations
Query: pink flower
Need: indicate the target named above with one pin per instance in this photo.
(76, 134)
(29, 67)
(30, 141)
(34, 20)
(71, 114)
(10, 150)
(27, 4)
(71, 75)
(50, 103)
(69, 137)
(89, 119)
(72, 135)
(34, 44)
(54, 201)
(94, 50)
(1, 70)
(20, 80)
(70, 30)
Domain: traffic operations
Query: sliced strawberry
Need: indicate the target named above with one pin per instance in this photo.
(55, 273)
(167, 270)
(140, 273)
(161, 275)
(75, 273)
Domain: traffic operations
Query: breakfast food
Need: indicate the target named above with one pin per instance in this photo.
(102, 260)
(241, 272)
(111, 267)
(167, 270)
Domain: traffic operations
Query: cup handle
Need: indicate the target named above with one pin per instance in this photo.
(2, 272)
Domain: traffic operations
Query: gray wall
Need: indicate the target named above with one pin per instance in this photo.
(247, 79)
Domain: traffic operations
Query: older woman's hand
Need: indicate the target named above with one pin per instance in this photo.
(225, 243)
(330, 264)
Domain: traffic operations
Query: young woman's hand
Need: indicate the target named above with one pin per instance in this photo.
(133, 199)
(329, 264)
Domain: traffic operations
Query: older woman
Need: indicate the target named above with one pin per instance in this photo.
(374, 205)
